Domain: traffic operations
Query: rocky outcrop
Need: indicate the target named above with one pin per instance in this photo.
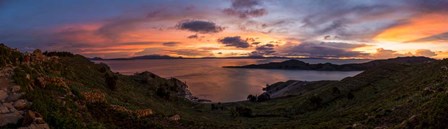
(13, 108)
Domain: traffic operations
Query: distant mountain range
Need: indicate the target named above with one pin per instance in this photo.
(180, 57)
(140, 57)
(300, 65)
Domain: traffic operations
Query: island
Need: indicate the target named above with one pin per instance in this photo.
(294, 64)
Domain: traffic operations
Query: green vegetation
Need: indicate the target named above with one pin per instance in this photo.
(72, 92)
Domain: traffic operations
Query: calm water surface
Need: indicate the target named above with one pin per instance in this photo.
(207, 79)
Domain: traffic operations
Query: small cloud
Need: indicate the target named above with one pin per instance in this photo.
(425, 52)
(325, 49)
(148, 51)
(191, 52)
(246, 9)
(170, 44)
(195, 36)
(267, 49)
(234, 41)
(382, 53)
(199, 26)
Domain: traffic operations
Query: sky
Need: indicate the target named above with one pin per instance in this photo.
(344, 29)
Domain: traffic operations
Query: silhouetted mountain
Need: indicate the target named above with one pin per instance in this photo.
(300, 65)
(148, 57)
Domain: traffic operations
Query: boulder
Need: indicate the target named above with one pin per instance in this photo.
(10, 118)
(3, 109)
(20, 104)
(175, 117)
(3, 95)
(14, 97)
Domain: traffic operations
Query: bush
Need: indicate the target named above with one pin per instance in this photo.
(315, 100)
(59, 54)
(350, 96)
(263, 97)
(111, 81)
(243, 111)
(163, 93)
(252, 98)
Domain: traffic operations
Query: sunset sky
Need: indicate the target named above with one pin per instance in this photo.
(221, 28)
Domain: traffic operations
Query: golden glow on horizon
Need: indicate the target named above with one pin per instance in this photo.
(418, 27)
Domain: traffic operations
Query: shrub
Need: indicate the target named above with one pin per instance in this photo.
(350, 95)
(263, 97)
(252, 98)
(111, 81)
(243, 111)
(59, 54)
(315, 100)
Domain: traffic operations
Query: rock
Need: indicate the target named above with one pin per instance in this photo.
(36, 126)
(9, 105)
(143, 113)
(94, 96)
(3, 95)
(29, 118)
(15, 88)
(119, 108)
(20, 104)
(14, 97)
(33, 120)
(9, 118)
(3, 109)
(175, 117)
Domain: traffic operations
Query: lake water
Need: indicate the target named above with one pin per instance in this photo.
(207, 79)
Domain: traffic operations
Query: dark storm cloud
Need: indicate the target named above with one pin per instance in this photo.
(246, 9)
(170, 44)
(437, 37)
(234, 41)
(323, 49)
(200, 26)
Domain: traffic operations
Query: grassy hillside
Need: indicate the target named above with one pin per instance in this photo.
(72, 92)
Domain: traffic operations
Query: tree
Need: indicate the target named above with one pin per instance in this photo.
(252, 98)
(263, 97)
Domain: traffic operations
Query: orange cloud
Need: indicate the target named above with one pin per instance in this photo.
(416, 28)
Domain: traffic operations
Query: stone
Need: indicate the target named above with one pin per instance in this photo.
(94, 96)
(3, 109)
(15, 88)
(14, 97)
(143, 113)
(36, 126)
(175, 117)
(9, 118)
(3, 95)
(28, 118)
(31, 117)
(20, 104)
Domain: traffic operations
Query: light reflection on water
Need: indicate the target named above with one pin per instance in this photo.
(207, 79)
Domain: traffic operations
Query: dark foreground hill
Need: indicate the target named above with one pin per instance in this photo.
(300, 65)
(62, 90)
